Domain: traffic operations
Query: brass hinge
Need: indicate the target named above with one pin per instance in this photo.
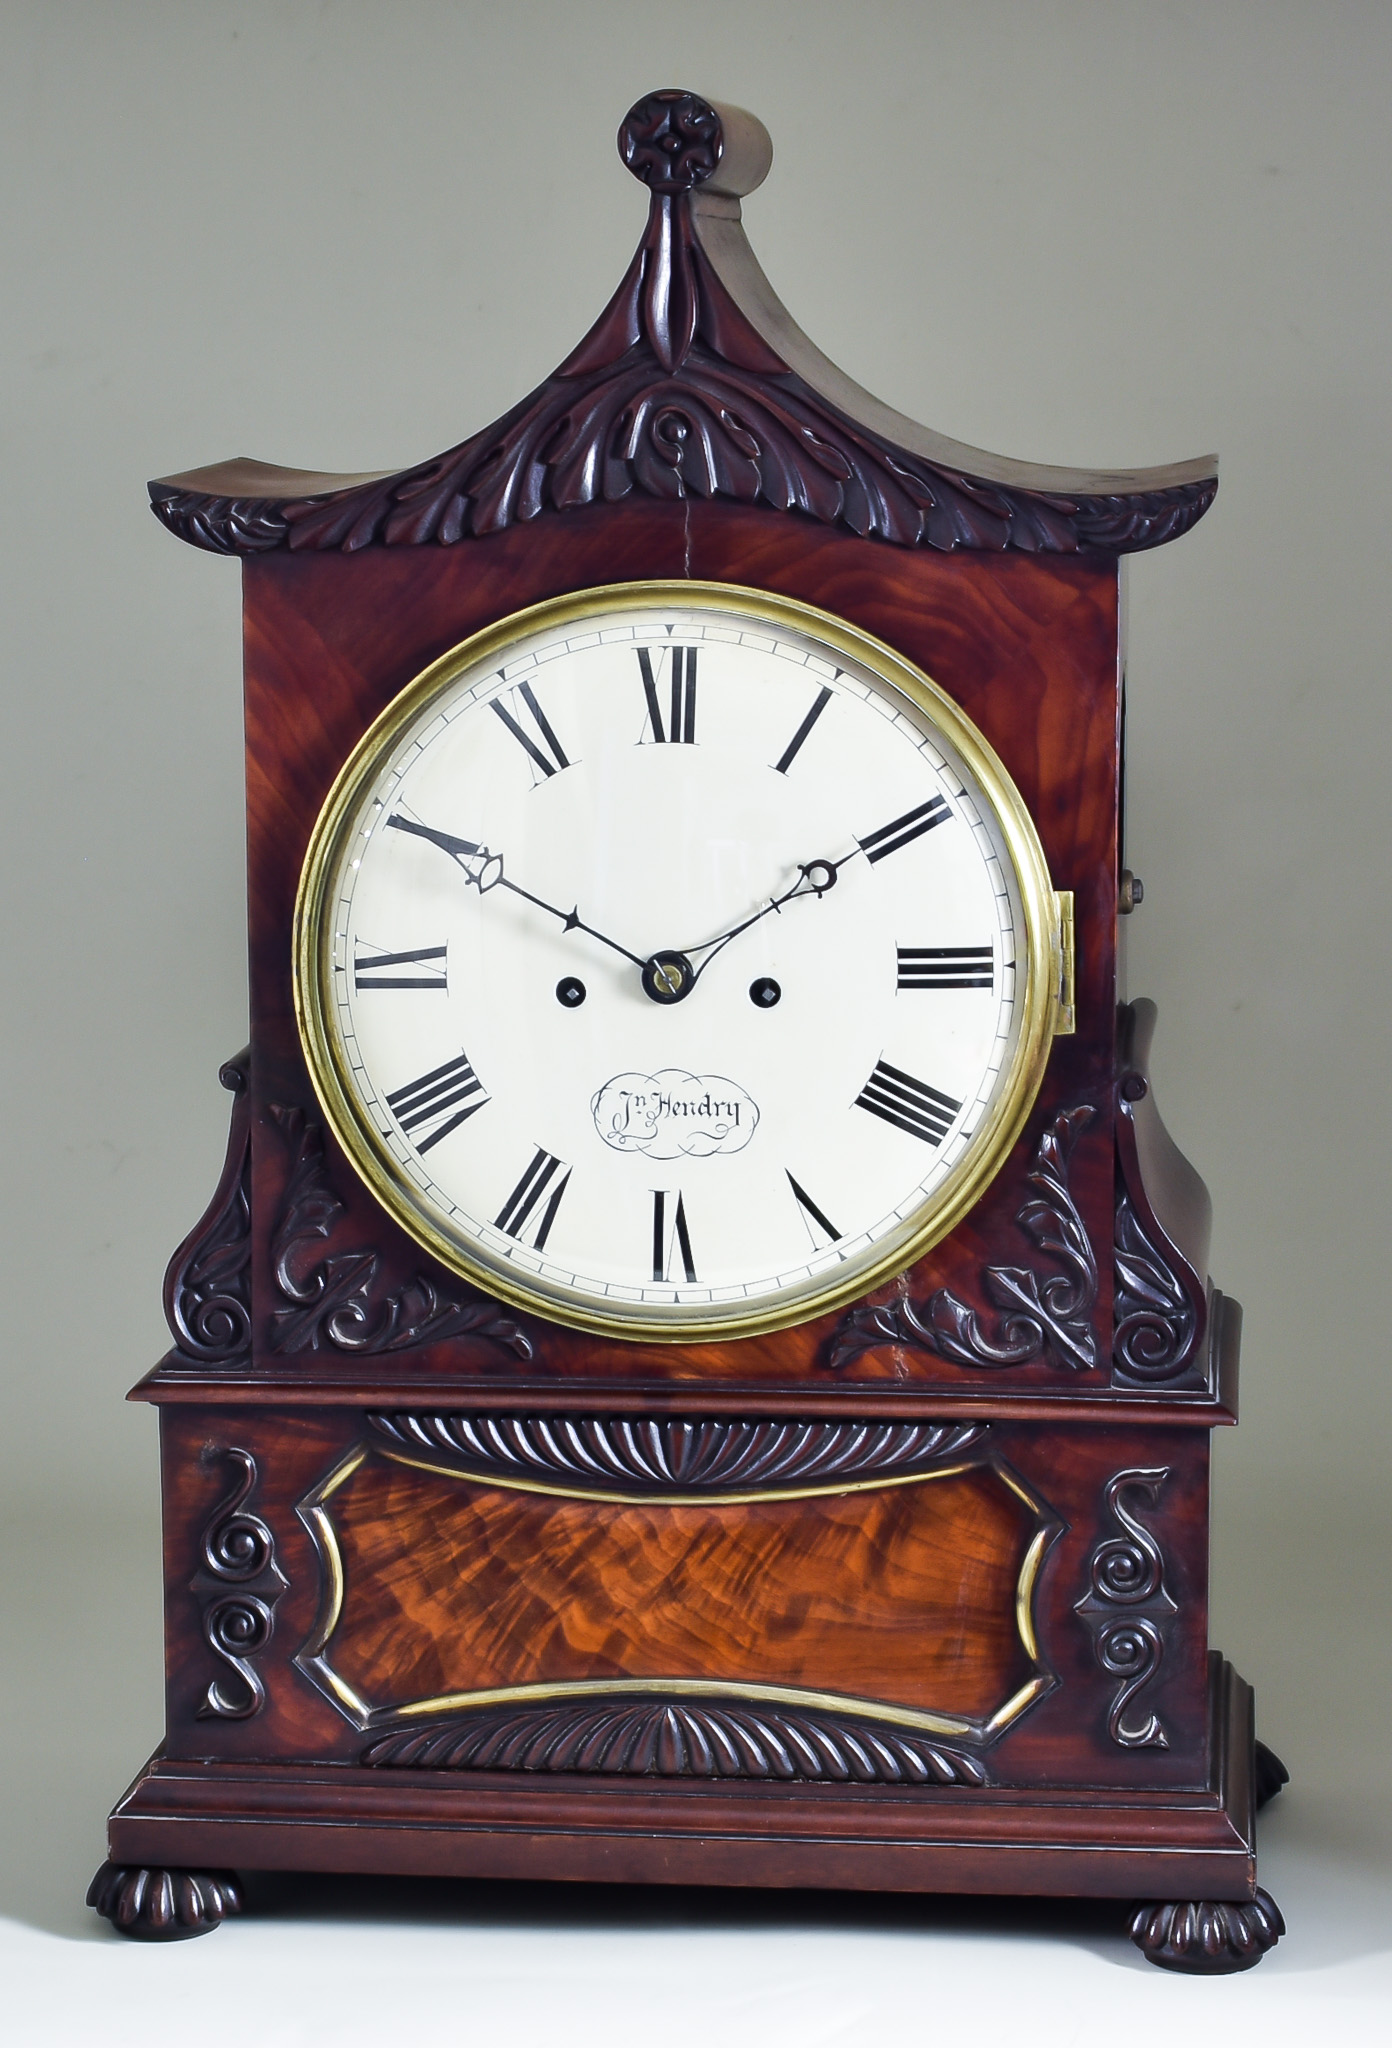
(1065, 1022)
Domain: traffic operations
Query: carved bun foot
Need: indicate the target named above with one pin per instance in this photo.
(1270, 1774)
(1208, 1937)
(163, 1905)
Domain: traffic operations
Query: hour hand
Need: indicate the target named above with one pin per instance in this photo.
(463, 850)
(485, 871)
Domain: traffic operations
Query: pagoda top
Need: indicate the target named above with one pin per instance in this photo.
(695, 382)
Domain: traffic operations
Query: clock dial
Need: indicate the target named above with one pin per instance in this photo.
(650, 931)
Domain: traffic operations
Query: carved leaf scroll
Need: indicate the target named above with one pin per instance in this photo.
(1153, 1337)
(207, 1288)
(338, 1302)
(1127, 1606)
(1039, 1314)
(238, 1587)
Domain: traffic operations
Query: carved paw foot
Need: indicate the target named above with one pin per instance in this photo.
(1208, 1937)
(163, 1905)
(1271, 1774)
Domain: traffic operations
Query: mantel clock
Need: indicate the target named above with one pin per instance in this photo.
(700, 1364)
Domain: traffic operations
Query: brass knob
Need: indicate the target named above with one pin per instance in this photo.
(1130, 893)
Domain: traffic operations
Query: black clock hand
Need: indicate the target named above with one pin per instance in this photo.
(815, 877)
(485, 871)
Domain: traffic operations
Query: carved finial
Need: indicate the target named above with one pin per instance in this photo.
(672, 140)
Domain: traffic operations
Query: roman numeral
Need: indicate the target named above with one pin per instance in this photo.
(426, 1104)
(911, 1105)
(670, 1233)
(681, 723)
(375, 970)
(545, 751)
(790, 752)
(524, 1205)
(900, 831)
(945, 967)
(812, 1214)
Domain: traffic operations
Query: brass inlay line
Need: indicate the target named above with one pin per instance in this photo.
(510, 1484)
(312, 1661)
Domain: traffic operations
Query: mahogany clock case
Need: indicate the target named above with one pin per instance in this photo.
(913, 1595)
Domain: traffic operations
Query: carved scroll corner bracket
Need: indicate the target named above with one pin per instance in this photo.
(207, 1286)
(340, 1303)
(1127, 1607)
(237, 1585)
(1039, 1315)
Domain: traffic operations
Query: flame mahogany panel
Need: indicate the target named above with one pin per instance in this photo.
(1028, 647)
(905, 1594)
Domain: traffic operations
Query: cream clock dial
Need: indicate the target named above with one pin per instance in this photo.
(676, 960)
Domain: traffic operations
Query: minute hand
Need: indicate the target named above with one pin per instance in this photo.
(815, 877)
(485, 871)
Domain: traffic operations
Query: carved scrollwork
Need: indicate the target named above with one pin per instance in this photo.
(1044, 1316)
(207, 1288)
(1127, 1605)
(664, 1454)
(677, 1739)
(339, 1301)
(238, 1587)
(1153, 1337)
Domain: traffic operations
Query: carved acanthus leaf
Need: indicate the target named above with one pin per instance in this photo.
(674, 393)
(207, 1288)
(1040, 1315)
(1153, 1337)
(338, 1301)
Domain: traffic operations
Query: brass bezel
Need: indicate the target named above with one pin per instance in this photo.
(1046, 998)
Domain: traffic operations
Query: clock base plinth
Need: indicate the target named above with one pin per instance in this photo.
(151, 1902)
(1145, 1843)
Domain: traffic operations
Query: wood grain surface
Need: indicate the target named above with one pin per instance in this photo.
(904, 1594)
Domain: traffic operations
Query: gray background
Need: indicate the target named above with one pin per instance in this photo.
(344, 236)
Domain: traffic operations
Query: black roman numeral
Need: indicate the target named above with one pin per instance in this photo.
(911, 1105)
(669, 1232)
(377, 970)
(945, 967)
(681, 724)
(545, 751)
(900, 831)
(811, 1211)
(538, 1184)
(790, 752)
(426, 1104)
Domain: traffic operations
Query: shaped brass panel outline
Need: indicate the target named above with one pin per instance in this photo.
(313, 1658)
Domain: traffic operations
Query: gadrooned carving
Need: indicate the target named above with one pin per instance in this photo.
(677, 1739)
(148, 1903)
(1044, 1316)
(338, 1302)
(237, 1586)
(666, 1454)
(1154, 1319)
(207, 1288)
(1127, 1606)
(1208, 1937)
(675, 394)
